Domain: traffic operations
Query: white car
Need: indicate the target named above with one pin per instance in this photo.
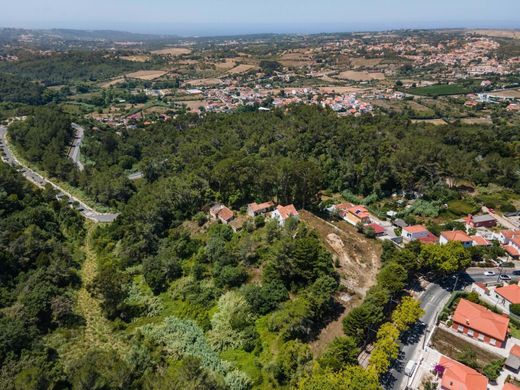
(490, 273)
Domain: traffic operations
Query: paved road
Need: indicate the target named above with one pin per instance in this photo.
(74, 152)
(40, 181)
(432, 300)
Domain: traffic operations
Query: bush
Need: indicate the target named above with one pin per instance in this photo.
(492, 370)
(515, 309)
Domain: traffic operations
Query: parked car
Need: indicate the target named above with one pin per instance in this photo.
(410, 367)
(505, 277)
(516, 273)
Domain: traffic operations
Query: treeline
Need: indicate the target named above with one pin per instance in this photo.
(39, 260)
(63, 68)
(44, 139)
(21, 90)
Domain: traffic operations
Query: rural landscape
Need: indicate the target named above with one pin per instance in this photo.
(312, 211)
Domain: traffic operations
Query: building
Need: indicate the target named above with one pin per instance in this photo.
(283, 213)
(477, 221)
(378, 229)
(482, 324)
(510, 386)
(254, 209)
(457, 376)
(456, 235)
(414, 232)
(505, 236)
(357, 214)
(221, 213)
(479, 241)
(507, 295)
(513, 360)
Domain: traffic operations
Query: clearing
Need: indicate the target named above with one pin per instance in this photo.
(147, 74)
(361, 75)
(242, 68)
(359, 262)
(361, 62)
(172, 51)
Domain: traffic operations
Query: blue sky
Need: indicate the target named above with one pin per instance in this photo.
(206, 17)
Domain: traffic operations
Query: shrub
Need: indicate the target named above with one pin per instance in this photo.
(515, 309)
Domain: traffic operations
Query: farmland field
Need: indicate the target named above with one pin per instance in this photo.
(440, 90)
(172, 51)
(147, 74)
(361, 76)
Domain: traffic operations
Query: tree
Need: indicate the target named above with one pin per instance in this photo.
(291, 362)
(342, 352)
(386, 349)
(493, 369)
(109, 284)
(393, 276)
(445, 259)
(351, 378)
(407, 313)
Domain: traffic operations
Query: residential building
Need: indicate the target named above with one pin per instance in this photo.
(456, 235)
(507, 295)
(378, 229)
(457, 376)
(482, 324)
(283, 213)
(510, 386)
(505, 236)
(254, 209)
(484, 220)
(221, 213)
(479, 241)
(414, 232)
(357, 214)
(513, 360)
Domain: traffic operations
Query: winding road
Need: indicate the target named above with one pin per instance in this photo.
(40, 181)
(76, 144)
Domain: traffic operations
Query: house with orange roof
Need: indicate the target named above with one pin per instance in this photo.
(479, 241)
(513, 360)
(221, 213)
(505, 236)
(507, 295)
(414, 232)
(357, 214)
(283, 213)
(457, 376)
(510, 386)
(476, 321)
(254, 209)
(457, 236)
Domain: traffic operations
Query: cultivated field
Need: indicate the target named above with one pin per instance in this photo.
(147, 74)
(243, 68)
(172, 51)
(509, 93)
(360, 62)
(193, 105)
(136, 58)
(297, 58)
(360, 76)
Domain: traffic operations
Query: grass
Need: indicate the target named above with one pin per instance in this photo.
(454, 346)
(440, 90)
(462, 207)
(514, 330)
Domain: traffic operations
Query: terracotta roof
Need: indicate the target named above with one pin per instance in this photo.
(457, 376)
(511, 250)
(415, 229)
(480, 241)
(456, 235)
(429, 239)
(359, 211)
(510, 386)
(509, 233)
(378, 229)
(287, 211)
(516, 240)
(260, 207)
(483, 286)
(510, 292)
(515, 350)
(481, 319)
(225, 214)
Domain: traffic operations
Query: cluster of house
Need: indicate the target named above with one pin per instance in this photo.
(279, 213)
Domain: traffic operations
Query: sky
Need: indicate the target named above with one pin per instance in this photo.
(223, 17)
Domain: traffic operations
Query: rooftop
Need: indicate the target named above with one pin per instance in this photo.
(415, 229)
(456, 235)
(510, 292)
(457, 376)
(479, 318)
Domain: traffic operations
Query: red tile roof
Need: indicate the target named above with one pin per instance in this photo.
(510, 386)
(225, 214)
(515, 350)
(510, 292)
(378, 229)
(415, 229)
(480, 241)
(287, 211)
(456, 235)
(255, 207)
(511, 250)
(457, 376)
(429, 239)
(359, 211)
(481, 319)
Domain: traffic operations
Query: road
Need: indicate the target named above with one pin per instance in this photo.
(40, 181)
(432, 299)
(505, 222)
(74, 152)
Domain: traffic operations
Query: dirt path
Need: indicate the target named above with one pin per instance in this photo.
(97, 332)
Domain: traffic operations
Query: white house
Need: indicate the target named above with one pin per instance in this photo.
(282, 213)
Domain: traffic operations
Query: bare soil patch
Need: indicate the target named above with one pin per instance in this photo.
(203, 82)
(436, 122)
(147, 74)
(242, 68)
(172, 51)
(136, 58)
(361, 62)
(361, 75)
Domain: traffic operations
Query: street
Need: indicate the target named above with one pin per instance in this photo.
(76, 144)
(432, 299)
(40, 181)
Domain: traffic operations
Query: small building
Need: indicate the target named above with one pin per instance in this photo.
(513, 361)
(512, 251)
(505, 236)
(507, 295)
(485, 220)
(221, 213)
(283, 213)
(479, 241)
(414, 232)
(456, 235)
(399, 223)
(457, 376)
(254, 209)
(357, 214)
(378, 229)
(510, 386)
(476, 321)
